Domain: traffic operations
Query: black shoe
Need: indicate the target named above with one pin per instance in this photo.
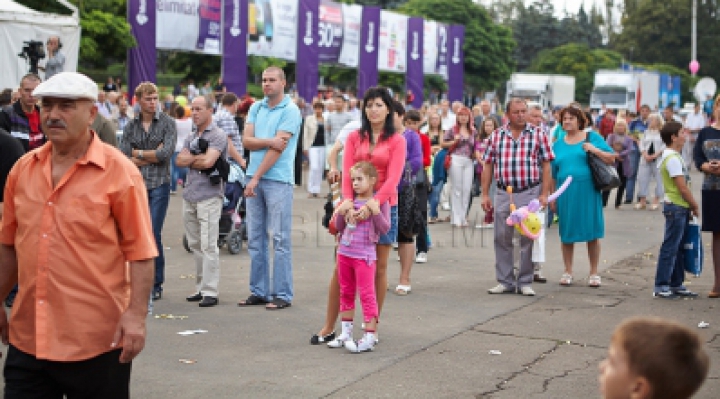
(195, 297)
(317, 339)
(208, 301)
(157, 295)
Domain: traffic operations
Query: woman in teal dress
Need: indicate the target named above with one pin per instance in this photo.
(580, 208)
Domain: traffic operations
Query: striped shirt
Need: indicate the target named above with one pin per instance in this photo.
(517, 162)
(162, 131)
(225, 121)
(361, 246)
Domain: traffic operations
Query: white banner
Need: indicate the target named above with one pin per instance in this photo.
(352, 21)
(430, 47)
(272, 28)
(393, 42)
(189, 25)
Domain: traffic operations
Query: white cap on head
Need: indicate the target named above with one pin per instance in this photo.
(71, 85)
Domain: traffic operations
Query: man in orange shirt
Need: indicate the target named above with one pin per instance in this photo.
(76, 236)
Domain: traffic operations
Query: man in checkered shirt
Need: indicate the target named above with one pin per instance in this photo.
(149, 141)
(519, 155)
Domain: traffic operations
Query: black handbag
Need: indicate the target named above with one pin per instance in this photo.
(604, 176)
(409, 217)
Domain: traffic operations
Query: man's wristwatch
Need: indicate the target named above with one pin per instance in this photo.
(140, 154)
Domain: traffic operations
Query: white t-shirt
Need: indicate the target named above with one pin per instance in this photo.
(674, 166)
(695, 121)
(347, 129)
(448, 122)
(184, 129)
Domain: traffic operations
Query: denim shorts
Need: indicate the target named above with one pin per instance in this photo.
(391, 236)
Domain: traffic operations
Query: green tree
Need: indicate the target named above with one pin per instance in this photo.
(488, 46)
(579, 61)
(105, 32)
(658, 31)
(535, 29)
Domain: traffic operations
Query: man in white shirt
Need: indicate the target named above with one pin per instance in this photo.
(694, 123)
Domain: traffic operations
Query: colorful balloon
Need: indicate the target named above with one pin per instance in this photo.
(525, 219)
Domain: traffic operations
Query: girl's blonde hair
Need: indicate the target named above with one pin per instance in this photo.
(365, 168)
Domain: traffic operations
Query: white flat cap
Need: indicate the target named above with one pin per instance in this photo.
(67, 85)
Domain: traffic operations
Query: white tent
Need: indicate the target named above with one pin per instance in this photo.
(19, 24)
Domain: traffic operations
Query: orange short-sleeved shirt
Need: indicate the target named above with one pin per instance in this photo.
(72, 244)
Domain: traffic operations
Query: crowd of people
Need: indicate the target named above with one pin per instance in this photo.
(391, 170)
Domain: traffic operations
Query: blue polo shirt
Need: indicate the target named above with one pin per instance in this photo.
(268, 121)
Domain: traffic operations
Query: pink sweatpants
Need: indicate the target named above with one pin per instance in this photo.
(357, 275)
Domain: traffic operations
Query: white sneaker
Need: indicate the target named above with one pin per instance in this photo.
(500, 289)
(421, 258)
(339, 342)
(362, 345)
(527, 291)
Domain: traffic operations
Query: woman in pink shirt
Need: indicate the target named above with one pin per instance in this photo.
(378, 143)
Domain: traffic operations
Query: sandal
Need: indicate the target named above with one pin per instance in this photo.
(639, 207)
(278, 304)
(433, 220)
(566, 279)
(594, 281)
(252, 300)
(402, 290)
(654, 207)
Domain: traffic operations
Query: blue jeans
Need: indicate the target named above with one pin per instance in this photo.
(176, 173)
(435, 198)
(270, 210)
(670, 269)
(158, 199)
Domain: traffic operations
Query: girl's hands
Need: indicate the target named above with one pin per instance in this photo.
(344, 207)
(373, 206)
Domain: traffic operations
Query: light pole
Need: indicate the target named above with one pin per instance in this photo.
(693, 40)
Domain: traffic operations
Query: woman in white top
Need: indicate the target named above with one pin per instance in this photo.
(184, 129)
(314, 148)
(651, 148)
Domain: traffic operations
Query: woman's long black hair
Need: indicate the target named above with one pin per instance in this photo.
(389, 127)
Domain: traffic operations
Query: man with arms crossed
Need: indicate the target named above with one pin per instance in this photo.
(76, 224)
(149, 141)
(519, 155)
(271, 134)
(203, 200)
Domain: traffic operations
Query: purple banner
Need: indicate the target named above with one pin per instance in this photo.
(456, 64)
(306, 66)
(414, 78)
(141, 58)
(209, 30)
(234, 51)
(369, 44)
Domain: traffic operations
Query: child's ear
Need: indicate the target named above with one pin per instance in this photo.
(641, 388)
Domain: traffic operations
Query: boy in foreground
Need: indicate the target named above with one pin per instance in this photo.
(650, 358)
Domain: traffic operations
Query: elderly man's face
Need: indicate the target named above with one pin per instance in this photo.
(201, 113)
(101, 97)
(122, 105)
(66, 121)
(485, 106)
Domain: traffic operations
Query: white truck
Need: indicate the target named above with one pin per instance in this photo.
(546, 90)
(628, 90)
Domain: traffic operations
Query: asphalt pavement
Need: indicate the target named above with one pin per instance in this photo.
(447, 339)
